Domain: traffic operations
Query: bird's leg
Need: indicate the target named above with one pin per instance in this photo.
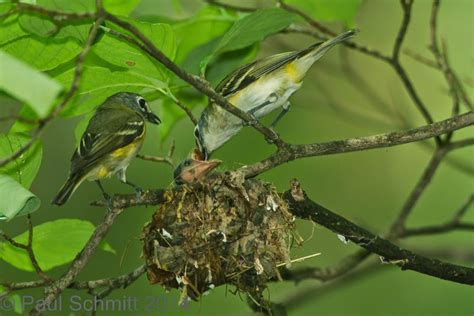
(286, 108)
(123, 179)
(272, 98)
(107, 197)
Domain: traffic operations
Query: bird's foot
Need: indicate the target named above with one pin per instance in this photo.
(252, 121)
(109, 202)
(138, 192)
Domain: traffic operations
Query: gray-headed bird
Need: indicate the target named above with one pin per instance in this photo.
(258, 89)
(111, 140)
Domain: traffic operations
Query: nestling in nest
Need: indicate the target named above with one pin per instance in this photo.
(223, 231)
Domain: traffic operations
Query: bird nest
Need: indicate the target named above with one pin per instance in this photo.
(223, 231)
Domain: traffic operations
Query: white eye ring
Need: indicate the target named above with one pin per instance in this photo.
(142, 103)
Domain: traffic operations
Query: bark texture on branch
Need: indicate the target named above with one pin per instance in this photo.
(305, 208)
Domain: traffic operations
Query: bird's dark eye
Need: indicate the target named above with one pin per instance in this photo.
(187, 163)
(142, 104)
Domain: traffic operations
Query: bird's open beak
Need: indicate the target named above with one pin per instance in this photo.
(153, 118)
(198, 170)
(204, 167)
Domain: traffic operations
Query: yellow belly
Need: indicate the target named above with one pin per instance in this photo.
(116, 160)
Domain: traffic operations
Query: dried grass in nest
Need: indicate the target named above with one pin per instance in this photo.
(224, 231)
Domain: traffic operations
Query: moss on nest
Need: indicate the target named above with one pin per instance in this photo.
(224, 231)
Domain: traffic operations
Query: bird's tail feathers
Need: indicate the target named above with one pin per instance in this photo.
(316, 51)
(67, 189)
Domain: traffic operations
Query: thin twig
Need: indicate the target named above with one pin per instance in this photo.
(451, 225)
(229, 6)
(306, 17)
(406, 5)
(168, 159)
(421, 59)
(187, 110)
(442, 61)
(31, 254)
(28, 247)
(399, 225)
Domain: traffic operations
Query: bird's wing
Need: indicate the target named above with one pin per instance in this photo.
(244, 76)
(122, 127)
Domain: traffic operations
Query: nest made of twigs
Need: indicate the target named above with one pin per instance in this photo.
(224, 231)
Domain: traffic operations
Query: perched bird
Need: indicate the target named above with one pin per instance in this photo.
(112, 138)
(191, 170)
(258, 88)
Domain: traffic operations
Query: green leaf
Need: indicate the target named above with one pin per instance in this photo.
(12, 302)
(254, 28)
(330, 10)
(105, 246)
(54, 243)
(222, 65)
(15, 200)
(251, 29)
(134, 59)
(98, 83)
(37, 25)
(120, 7)
(78, 6)
(24, 168)
(79, 32)
(18, 304)
(210, 22)
(28, 85)
(10, 29)
(5, 6)
(43, 54)
(22, 126)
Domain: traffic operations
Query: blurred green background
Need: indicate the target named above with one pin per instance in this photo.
(368, 188)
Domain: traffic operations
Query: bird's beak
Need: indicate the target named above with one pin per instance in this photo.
(204, 167)
(198, 170)
(153, 118)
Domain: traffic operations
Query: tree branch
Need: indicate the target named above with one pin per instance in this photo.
(293, 152)
(303, 207)
(121, 281)
(197, 82)
(55, 289)
(317, 291)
